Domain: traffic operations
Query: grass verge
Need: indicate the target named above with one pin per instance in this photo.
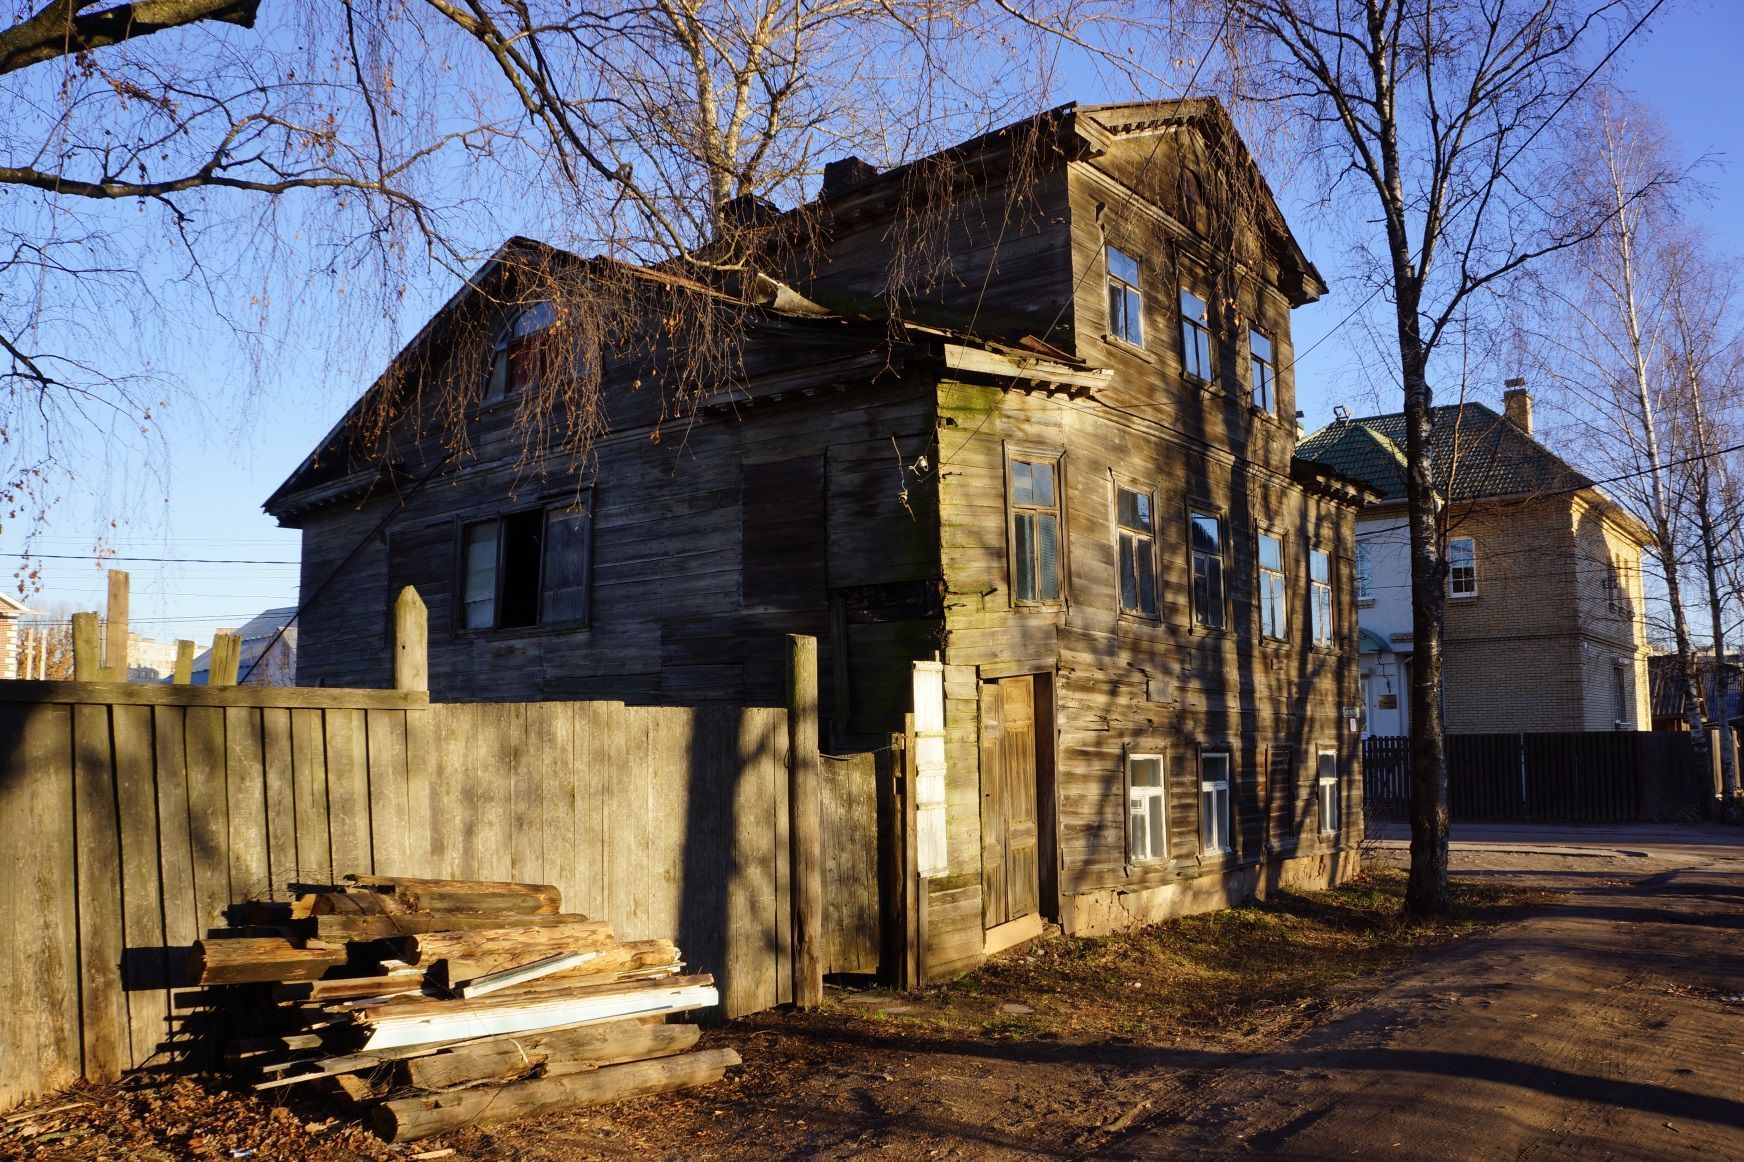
(1236, 971)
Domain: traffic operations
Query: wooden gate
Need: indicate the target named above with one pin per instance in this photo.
(1010, 866)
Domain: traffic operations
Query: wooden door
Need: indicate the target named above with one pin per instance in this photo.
(1010, 864)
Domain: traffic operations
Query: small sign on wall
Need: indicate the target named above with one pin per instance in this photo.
(1388, 702)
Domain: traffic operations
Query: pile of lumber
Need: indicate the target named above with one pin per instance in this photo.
(445, 1003)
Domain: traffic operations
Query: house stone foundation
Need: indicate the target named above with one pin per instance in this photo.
(1103, 912)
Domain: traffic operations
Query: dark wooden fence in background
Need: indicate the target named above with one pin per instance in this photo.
(1595, 777)
(132, 816)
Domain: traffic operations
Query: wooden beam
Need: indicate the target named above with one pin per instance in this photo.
(411, 641)
(184, 671)
(805, 838)
(290, 697)
(87, 664)
(406, 1119)
(224, 660)
(115, 628)
(980, 362)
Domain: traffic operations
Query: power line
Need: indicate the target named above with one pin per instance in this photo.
(97, 559)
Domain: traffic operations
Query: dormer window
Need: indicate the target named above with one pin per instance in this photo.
(522, 352)
(1125, 304)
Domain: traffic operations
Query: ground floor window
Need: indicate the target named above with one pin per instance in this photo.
(1214, 801)
(1328, 792)
(1148, 809)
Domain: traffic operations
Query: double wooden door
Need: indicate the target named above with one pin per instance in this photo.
(1010, 837)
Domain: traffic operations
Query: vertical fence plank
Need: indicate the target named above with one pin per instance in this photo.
(422, 844)
(102, 1007)
(348, 791)
(144, 966)
(750, 920)
(553, 726)
(458, 776)
(309, 795)
(175, 846)
(387, 791)
(281, 797)
(595, 748)
(774, 731)
(208, 813)
(245, 796)
(525, 759)
(40, 1041)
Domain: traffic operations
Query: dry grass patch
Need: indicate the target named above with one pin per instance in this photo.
(1236, 972)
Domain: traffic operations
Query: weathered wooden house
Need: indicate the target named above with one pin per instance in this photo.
(1017, 447)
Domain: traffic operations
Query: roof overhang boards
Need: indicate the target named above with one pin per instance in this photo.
(1319, 480)
(1027, 372)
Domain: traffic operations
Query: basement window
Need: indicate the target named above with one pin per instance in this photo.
(1214, 802)
(1328, 792)
(1125, 304)
(1149, 835)
(526, 568)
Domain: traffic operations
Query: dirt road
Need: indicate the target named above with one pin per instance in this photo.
(1607, 1025)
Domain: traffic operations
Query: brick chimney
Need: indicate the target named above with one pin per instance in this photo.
(1517, 404)
(846, 172)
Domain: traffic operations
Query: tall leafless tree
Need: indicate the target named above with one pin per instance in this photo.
(1437, 115)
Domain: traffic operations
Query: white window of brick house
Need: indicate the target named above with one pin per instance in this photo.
(1365, 572)
(1462, 567)
(1214, 802)
(1147, 807)
(1326, 772)
(1620, 696)
(1125, 303)
(1274, 622)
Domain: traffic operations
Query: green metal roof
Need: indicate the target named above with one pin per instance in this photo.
(1476, 453)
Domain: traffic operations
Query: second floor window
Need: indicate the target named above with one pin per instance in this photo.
(1035, 531)
(1271, 588)
(1125, 304)
(525, 569)
(1195, 336)
(1462, 567)
(1138, 552)
(523, 352)
(1320, 596)
(1262, 370)
(1205, 534)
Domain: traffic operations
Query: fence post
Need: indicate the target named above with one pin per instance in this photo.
(115, 628)
(804, 798)
(224, 660)
(411, 641)
(184, 671)
(87, 665)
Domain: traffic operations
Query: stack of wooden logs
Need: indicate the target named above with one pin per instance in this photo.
(448, 1003)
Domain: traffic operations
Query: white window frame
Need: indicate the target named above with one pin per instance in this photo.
(1154, 847)
(1456, 586)
(1126, 324)
(1214, 823)
(1272, 589)
(1365, 572)
(1322, 631)
(1328, 795)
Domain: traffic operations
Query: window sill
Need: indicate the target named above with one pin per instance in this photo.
(1139, 616)
(1364, 602)
(523, 631)
(1266, 414)
(1128, 346)
(1462, 596)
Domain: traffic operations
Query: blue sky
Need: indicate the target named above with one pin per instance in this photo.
(219, 470)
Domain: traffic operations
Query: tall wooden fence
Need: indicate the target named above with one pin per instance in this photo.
(1573, 777)
(132, 816)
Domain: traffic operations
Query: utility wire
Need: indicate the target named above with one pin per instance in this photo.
(100, 558)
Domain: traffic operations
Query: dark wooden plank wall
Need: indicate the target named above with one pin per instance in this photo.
(128, 827)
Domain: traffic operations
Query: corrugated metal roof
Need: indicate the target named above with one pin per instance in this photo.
(1475, 451)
